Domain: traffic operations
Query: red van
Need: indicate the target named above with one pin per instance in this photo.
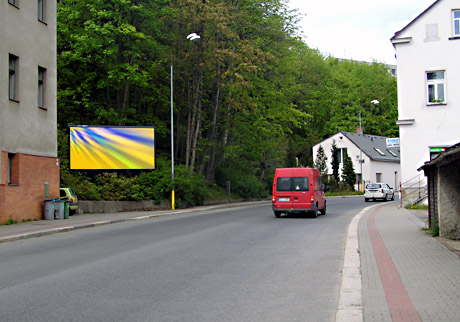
(298, 190)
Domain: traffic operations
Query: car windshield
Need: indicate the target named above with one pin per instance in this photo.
(373, 186)
(292, 184)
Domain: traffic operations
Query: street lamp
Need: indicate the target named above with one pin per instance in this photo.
(375, 102)
(193, 36)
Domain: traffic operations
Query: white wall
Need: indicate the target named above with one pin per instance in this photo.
(434, 125)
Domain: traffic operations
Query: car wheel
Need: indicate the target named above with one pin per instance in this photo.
(392, 197)
(277, 214)
(366, 199)
(323, 211)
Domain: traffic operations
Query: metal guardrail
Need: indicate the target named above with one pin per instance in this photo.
(413, 190)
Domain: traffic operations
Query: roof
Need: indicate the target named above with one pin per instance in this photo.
(375, 147)
(450, 155)
(410, 23)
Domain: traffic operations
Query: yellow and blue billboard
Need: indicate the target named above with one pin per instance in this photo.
(112, 148)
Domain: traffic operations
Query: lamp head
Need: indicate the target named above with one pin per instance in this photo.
(193, 36)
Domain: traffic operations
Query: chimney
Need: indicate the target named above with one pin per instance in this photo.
(359, 130)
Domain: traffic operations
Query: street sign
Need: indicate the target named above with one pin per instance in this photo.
(392, 142)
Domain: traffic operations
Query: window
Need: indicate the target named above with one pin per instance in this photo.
(14, 3)
(456, 22)
(41, 85)
(13, 77)
(342, 153)
(379, 151)
(392, 153)
(292, 184)
(378, 177)
(41, 10)
(13, 173)
(432, 32)
(436, 92)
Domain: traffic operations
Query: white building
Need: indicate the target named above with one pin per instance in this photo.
(428, 51)
(379, 162)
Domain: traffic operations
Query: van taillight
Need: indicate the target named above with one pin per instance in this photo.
(71, 200)
(312, 197)
(273, 198)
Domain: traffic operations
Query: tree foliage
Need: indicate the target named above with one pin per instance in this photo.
(249, 95)
(321, 162)
(348, 172)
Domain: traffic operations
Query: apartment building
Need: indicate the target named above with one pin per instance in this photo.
(29, 168)
(427, 52)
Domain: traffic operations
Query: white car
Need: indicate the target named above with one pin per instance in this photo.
(378, 190)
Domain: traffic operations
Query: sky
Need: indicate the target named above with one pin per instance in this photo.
(356, 29)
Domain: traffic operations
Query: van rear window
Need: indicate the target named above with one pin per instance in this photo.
(292, 184)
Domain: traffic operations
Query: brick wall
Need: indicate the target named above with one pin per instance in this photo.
(23, 199)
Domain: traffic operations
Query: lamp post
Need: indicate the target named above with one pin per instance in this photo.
(375, 102)
(191, 37)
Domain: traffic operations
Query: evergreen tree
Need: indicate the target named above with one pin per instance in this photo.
(348, 175)
(320, 162)
(335, 161)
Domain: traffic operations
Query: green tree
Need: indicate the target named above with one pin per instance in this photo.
(321, 162)
(348, 173)
(335, 162)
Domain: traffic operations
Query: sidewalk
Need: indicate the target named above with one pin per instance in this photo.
(46, 227)
(406, 274)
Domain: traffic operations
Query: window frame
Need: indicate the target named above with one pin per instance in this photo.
(293, 184)
(13, 77)
(41, 6)
(41, 87)
(456, 23)
(13, 169)
(14, 3)
(435, 83)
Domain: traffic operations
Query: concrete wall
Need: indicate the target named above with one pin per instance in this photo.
(449, 200)
(119, 206)
(434, 124)
(25, 128)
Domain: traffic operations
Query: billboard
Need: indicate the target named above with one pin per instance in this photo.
(112, 148)
(392, 142)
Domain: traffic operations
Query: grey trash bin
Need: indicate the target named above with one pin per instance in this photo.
(49, 210)
(58, 209)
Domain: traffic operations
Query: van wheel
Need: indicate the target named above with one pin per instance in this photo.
(323, 211)
(277, 214)
(314, 214)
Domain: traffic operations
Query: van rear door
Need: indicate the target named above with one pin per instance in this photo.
(300, 192)
(283, 196)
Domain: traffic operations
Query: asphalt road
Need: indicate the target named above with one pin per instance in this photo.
(239, 264)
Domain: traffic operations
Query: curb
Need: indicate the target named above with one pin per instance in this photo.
(350, 307)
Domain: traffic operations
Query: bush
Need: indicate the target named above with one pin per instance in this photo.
(242, 182)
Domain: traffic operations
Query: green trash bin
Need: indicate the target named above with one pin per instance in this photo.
(58, 209)
(66, 208)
